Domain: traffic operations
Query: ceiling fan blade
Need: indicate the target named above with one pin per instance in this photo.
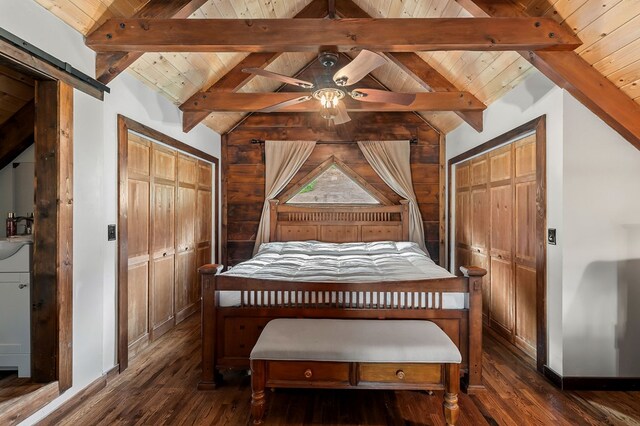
(284, 104)
(356, 70)
(342, 116)
(283, 78)
(383, 96)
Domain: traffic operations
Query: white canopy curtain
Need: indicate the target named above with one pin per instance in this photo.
(391, 160)
(283, 159)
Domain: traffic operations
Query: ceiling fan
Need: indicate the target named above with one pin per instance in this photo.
(332, 92)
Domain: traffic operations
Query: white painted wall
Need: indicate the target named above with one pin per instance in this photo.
(95, 183)
(7, 188)
(593, 200)
(601, 280)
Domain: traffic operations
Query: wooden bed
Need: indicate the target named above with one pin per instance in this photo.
(229, 333)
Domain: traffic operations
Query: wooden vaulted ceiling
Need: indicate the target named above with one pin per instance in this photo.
(609, 31)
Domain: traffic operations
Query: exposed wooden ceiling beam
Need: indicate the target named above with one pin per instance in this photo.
(251, 102)
(569, 71)
(16, 133)
(110, 65)
(411, 63)
(235, 79)
(311, 35)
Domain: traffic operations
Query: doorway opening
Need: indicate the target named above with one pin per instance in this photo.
(167, 228)
(497, 207)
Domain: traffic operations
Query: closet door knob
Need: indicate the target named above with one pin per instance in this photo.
(22, 285)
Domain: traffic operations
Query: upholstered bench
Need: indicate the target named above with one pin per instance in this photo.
(347, 354)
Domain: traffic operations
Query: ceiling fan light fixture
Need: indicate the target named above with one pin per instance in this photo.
(329, 99)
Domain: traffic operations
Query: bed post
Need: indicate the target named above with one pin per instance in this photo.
(273, 220)
(474, 276)
(405, 219)
(210, 377)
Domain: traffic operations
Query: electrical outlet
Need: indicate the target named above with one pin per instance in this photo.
(551, 236)
(111, 232)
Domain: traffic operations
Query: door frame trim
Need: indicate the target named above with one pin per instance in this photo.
(126, 124)
(539, 127)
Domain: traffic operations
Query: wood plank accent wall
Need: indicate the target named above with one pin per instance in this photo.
(244, 170)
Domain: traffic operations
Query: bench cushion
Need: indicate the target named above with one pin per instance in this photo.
(308, 339)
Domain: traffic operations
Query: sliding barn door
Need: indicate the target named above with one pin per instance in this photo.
(138, 220)
(495, 221)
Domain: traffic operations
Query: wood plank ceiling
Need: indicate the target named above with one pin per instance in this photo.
(609, 30)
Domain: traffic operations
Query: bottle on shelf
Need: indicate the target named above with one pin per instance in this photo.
(12, 225)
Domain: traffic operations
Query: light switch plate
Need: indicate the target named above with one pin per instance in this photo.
(551, 236)
(111, 232)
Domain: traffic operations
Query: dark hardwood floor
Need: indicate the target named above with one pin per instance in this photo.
(160, 388)
(12, 387)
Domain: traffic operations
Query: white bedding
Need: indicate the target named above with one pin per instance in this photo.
(345, 262)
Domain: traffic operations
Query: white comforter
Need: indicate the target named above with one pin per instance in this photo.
(331, 262)
(347, 262)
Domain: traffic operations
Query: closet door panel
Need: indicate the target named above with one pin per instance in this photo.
(463, 217)
(187, 169)
(163, 218)
(479, 170)
(138, 218)
(163, 254)
(205, 171)
(164, 163)
(525, 216)
(203, 218)
(525, 308)
(501, 222)
(500, 164)
(138, 156)
(162, 279)
(188, 215)
(138, 302)
(501, 296)
(185, 279)
(186, 219)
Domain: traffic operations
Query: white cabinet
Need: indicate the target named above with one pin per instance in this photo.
(15, 312)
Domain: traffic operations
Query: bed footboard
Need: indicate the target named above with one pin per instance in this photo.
(229, 333)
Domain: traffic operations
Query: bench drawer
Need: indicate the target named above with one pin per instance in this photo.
(307, 372)
(401, 373)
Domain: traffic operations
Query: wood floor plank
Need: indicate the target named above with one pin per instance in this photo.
(159, 388)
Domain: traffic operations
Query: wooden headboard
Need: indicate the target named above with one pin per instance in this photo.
(339, 224)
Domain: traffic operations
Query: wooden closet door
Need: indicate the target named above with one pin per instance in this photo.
(204, 199)
(463, 220)
(162, 240)
(185, 241)
(479, 211)
(525, 245)
(138, 170)
(501, 241)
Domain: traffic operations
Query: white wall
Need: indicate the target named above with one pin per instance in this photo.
(532, 98)
(95, 183)
(593, 200)
(601, 285)
(7, 185)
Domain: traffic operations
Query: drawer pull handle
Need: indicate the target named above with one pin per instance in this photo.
(22, 285)
(400, 374)
(308, 373)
